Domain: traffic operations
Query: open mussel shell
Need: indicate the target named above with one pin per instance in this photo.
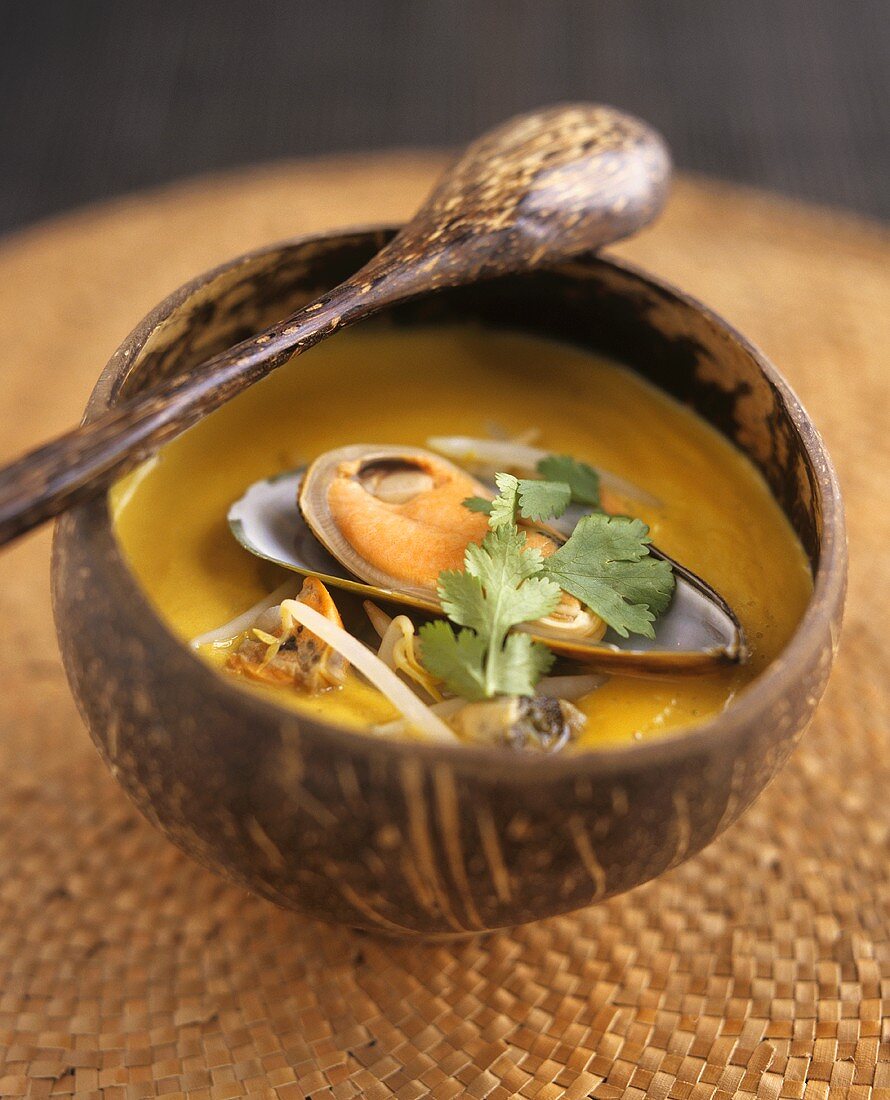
(697, 633)
(268, 523)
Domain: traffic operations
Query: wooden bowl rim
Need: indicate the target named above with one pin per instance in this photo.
(755, 702)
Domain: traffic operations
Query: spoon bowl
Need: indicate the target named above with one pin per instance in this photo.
(322, 819)
(538, 189)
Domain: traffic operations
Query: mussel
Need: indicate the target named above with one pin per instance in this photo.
(392, 516)
(385, 520)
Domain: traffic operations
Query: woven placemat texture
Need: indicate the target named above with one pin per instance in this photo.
(760, 968)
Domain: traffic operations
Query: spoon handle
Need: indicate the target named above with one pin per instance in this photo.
(537, 190)
(85, 461)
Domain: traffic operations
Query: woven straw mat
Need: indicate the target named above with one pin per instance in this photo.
(759, 968)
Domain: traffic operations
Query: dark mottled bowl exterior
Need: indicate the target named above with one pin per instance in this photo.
(427, 840)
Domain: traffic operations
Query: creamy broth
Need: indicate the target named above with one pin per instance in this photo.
(381, 386)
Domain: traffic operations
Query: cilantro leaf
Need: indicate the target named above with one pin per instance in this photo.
(457, 659)
(500, 588)
(535, 500)
(454, 658)
(607, 565)
(508, 590)
(477, 504)
(524, 663)
(543, 500)
(583, 480)
(463, 598)
(502, 561)
(503, 507)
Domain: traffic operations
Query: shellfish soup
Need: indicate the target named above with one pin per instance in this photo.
(389, 519)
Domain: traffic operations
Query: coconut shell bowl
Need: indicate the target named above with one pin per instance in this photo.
(411, 839)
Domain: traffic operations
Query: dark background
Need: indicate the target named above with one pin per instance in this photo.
(103, 96)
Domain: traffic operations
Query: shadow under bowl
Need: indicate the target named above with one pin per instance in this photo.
(432, 840)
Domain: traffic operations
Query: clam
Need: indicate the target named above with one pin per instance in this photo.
(539, 723)
(278, 650)
(385, 520)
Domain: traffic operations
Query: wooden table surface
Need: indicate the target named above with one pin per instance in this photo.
(111, 942)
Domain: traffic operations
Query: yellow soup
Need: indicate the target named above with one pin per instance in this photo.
(378, 386)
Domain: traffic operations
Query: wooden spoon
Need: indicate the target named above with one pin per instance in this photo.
(539, 189)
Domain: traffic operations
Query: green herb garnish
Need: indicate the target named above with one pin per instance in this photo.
(501, 586)
(582, 480)
(605, 564)
(534, 499)
(478, 504)
(543, 500)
